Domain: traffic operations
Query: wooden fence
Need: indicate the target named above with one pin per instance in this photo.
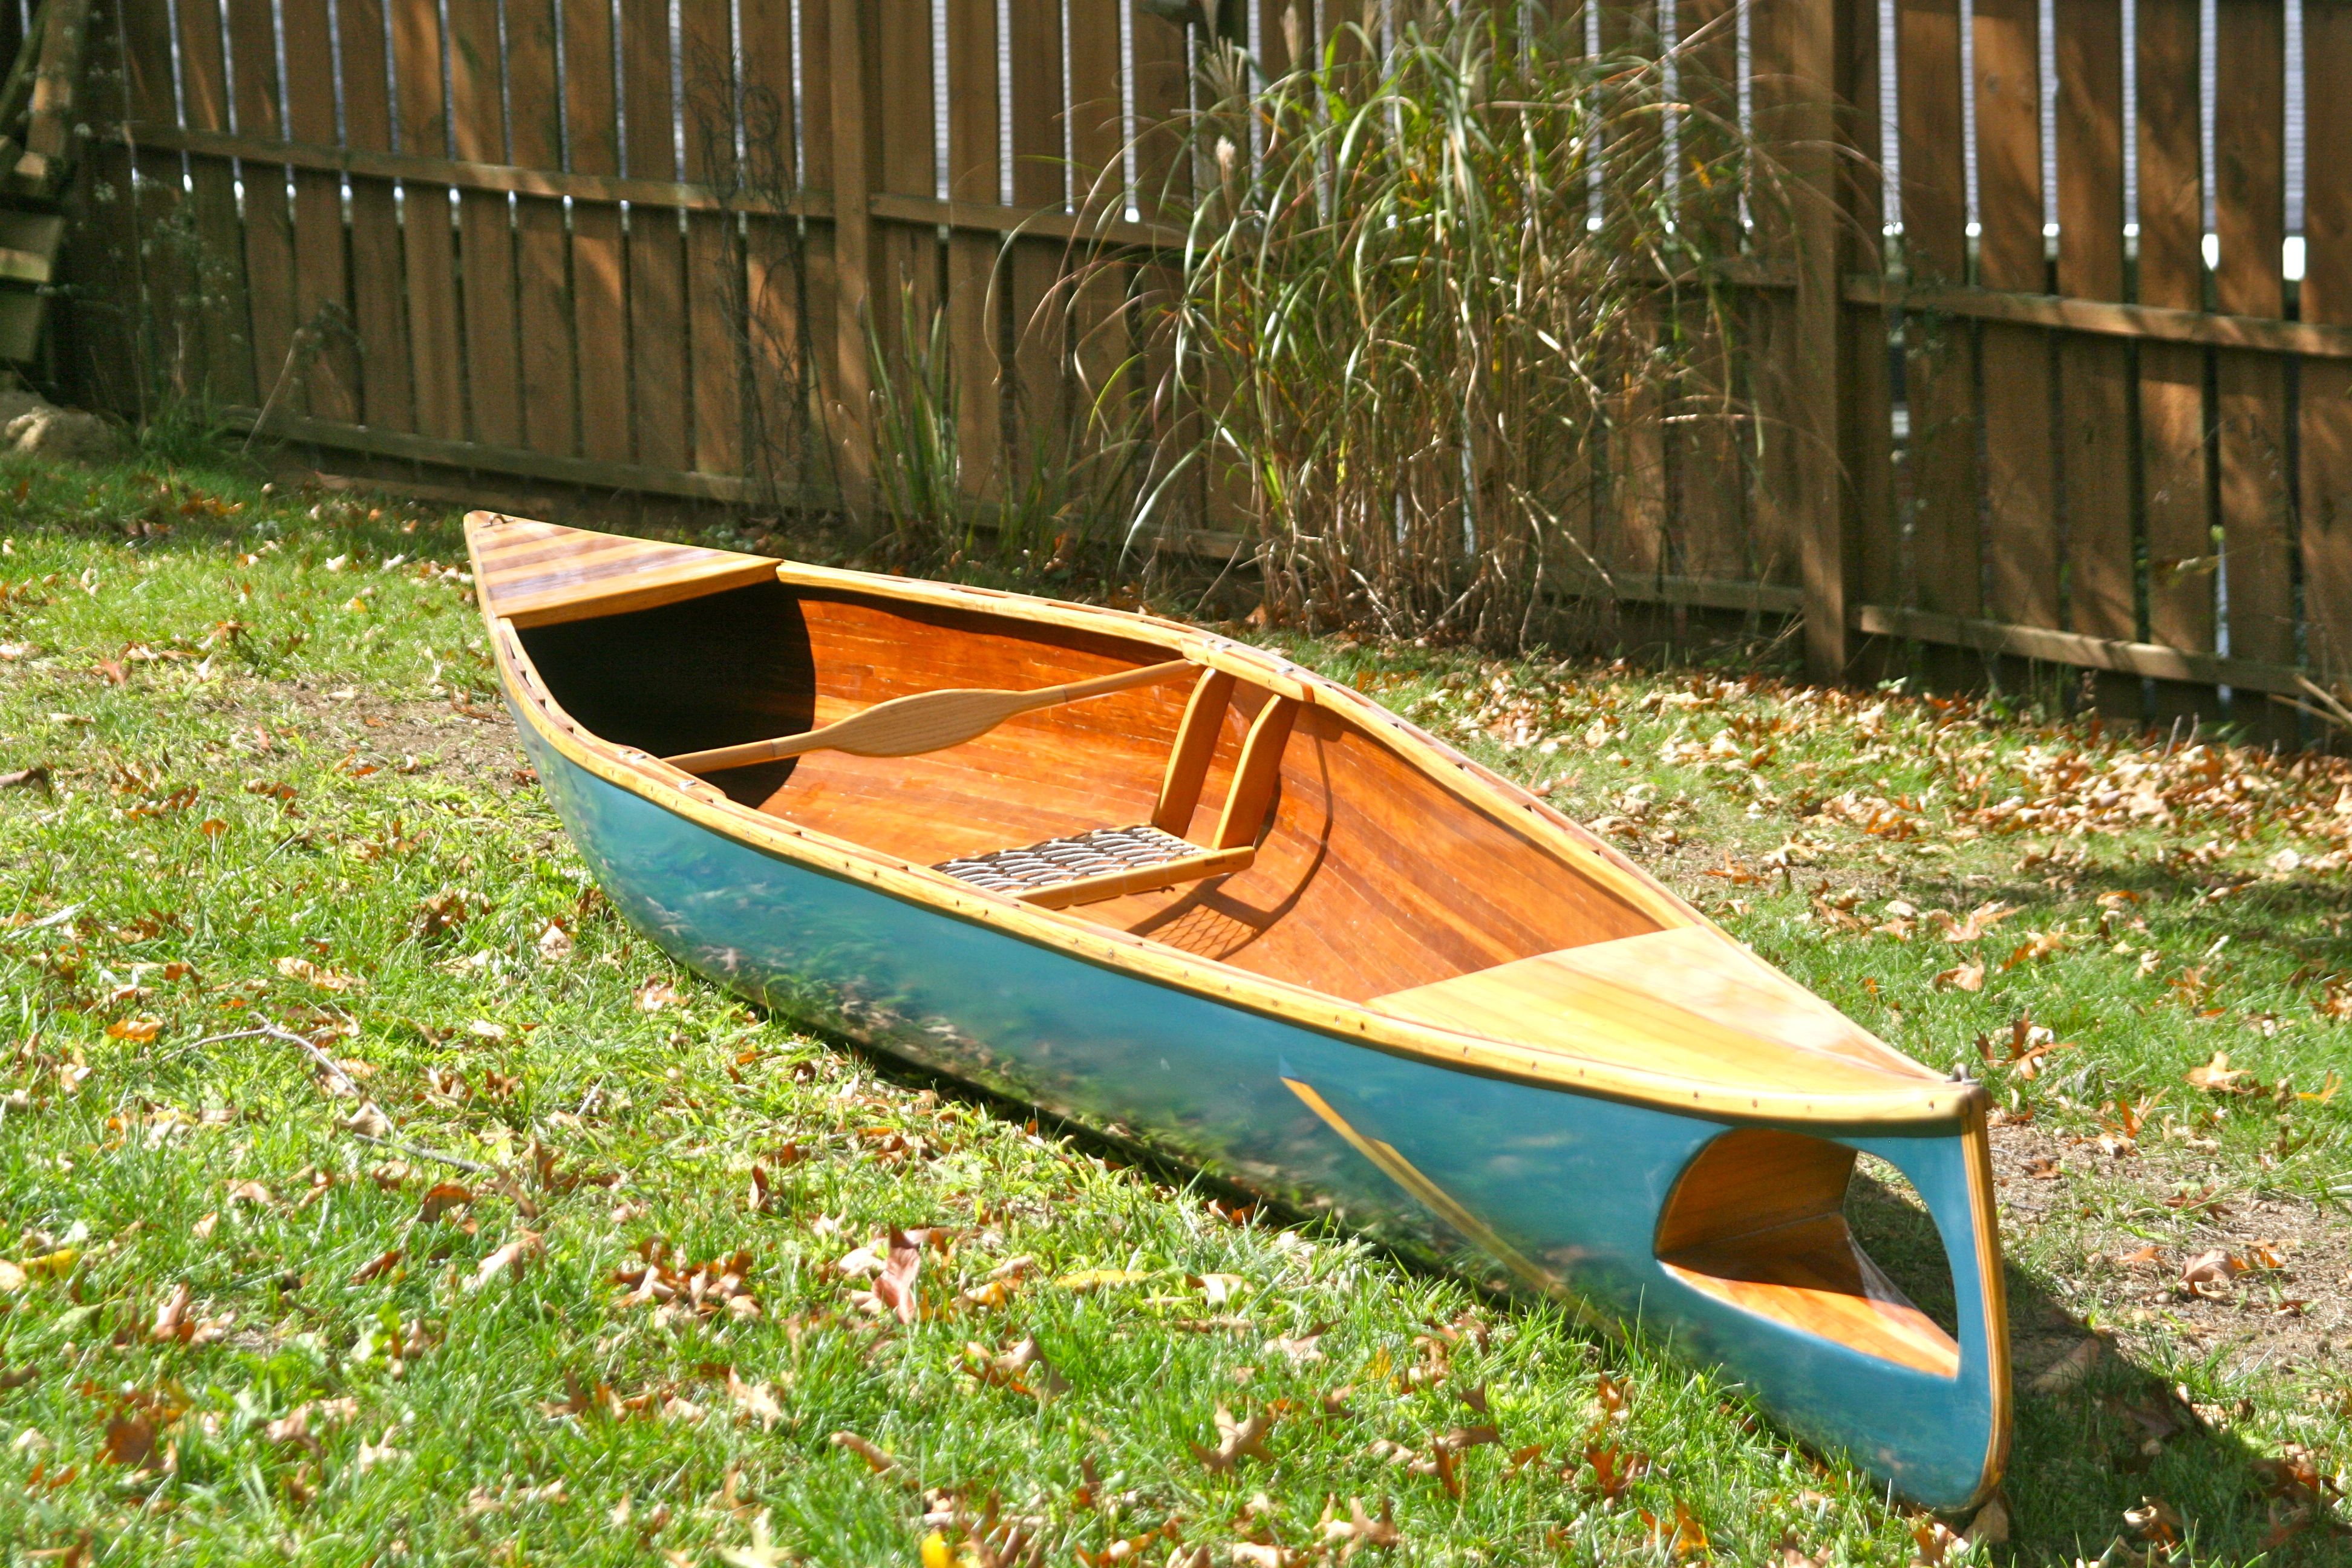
(639, 244)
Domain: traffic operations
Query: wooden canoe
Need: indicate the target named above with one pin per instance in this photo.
(1184, 891)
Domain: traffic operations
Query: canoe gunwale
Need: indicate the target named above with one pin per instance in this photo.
(1933, 1104)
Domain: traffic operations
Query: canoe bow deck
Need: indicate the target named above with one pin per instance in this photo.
(1246, 916)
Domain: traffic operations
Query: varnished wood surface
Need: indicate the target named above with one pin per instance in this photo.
(1758, 1220)
(1390, 862)
(923, 721)
(537, 574)
(1686, 1001)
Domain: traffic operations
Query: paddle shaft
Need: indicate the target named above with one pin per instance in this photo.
(925, 721)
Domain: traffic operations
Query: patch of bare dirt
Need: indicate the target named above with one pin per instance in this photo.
(455, 738)
(2161, 1240)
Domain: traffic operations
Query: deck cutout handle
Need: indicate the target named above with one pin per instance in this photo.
(1757, 1221)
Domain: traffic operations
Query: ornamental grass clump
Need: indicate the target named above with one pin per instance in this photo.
(1451, 302)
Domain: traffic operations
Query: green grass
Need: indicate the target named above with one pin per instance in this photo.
(543, 1415)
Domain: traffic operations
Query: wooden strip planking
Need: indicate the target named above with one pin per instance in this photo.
(252, 36)
(478, 131)
(2095, 377)
(220, 240)
(593, 146)
(329, 365)
(2250, 208)
(428, 238)
(975, 301)
(1940, 454)
(2326, 402)
(714, 255)
(378, 307)
(656, 271)
(2173, 479)
(551, 415)
(776, 411)
(2021, 472)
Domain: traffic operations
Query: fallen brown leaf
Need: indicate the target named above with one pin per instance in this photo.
(1236, 1441)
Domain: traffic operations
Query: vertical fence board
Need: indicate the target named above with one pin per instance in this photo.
(161, 283)
(973, 298)
(543, 284)
(2173, 479)
(331, 380)
(1940, 451)
(2095, 374)
(477, 131)
(1864, 376)
(1780, 420)
(2325, 528)
(713, 259)
(1039, 321)
(427, 237)
(1704, 453)
(776, 408)
(2250, 206)
(907, 295)
(2020, 481)
(269, 227)
(593, 146)
(220, 245)
(387, 396)
(657, 258)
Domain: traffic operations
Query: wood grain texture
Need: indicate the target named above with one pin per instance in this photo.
(478, 133)
(976, 305)
(2173, 418)
(550, 409)
(1195, 747)
(657, 250)
(1392, 862)
(1688, 997)
(428, 235)
(2250, 415)
(2326, 522)
(714, 258)
(1944, 570)
(268, 226)
(2021, 475)
(2095, 377)
(330, 361)
(535, 574)
(599, 312)
(228, 368)
(923, 721)
(379, 306)
(1168, 874)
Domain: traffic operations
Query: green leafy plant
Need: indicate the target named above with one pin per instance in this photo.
(1447, 291)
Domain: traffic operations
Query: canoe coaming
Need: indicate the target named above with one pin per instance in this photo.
(1569, 1168)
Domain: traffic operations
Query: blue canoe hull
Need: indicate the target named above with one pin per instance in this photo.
(1567, 1187)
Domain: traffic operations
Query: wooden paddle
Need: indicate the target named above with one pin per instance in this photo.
(927, 721)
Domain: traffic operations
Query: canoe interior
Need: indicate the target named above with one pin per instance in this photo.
(1369, 880)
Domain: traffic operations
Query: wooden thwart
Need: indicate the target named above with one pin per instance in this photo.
(925, 721)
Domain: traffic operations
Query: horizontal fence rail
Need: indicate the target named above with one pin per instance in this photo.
(2002, 403)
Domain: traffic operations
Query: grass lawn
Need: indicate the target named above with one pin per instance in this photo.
(512, 1242)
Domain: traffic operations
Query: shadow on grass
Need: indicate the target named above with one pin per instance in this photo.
(2087, 1448)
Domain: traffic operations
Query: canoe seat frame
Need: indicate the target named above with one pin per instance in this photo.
(1248, 807)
